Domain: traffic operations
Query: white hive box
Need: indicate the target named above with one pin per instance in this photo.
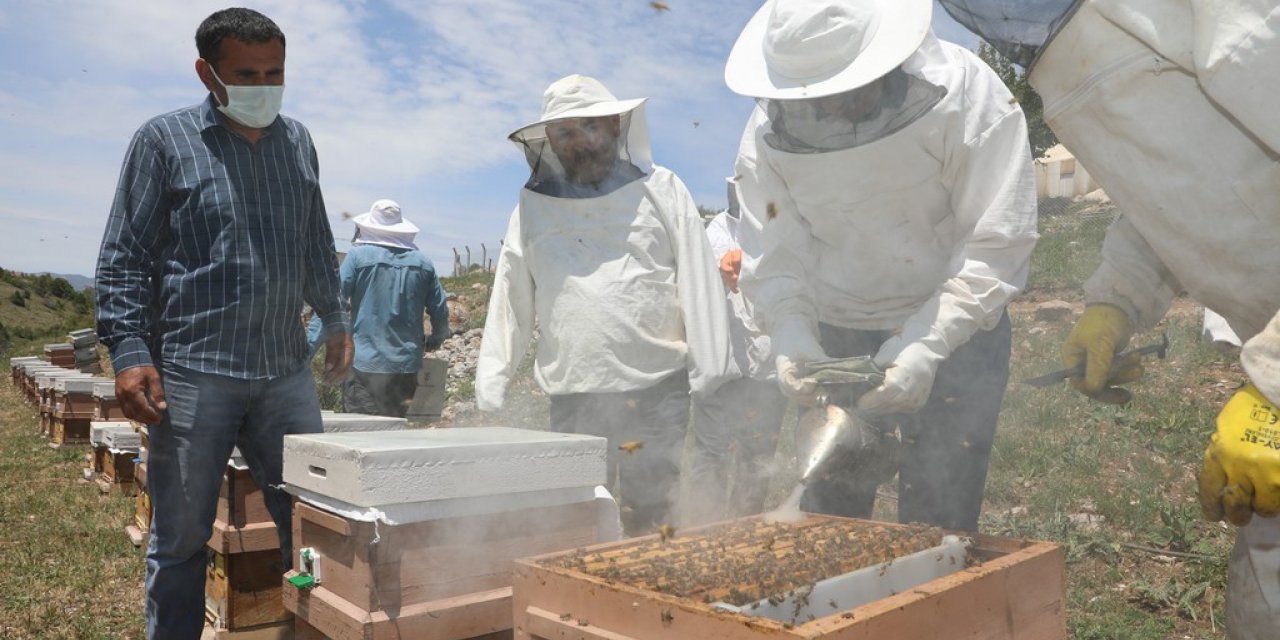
(77, 384)
(413, 534)
(98, 430)
(19, 361)
(105, 390)
(383, 469)
(123, 440)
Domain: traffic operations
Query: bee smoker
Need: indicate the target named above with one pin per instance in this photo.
(836, 441)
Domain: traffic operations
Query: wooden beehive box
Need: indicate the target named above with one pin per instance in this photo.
(426, 579)
(648, 589)
(243, 589)
(242, 522)
(139, 525)
(70, 431)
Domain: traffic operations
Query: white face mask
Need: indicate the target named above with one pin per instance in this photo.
(252, 106)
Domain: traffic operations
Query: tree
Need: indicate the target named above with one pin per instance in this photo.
(1015, 78)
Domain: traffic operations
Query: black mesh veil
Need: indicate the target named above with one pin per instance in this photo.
(1018, 29)
(548, 173)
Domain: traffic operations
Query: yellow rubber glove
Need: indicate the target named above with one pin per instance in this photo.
(1241, 472)
(1102, 332)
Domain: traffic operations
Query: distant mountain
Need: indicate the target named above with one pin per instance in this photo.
(78, 282)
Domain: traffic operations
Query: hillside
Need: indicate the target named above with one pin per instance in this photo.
(37, 308)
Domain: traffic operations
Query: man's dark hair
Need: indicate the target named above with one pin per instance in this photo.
(245, 25)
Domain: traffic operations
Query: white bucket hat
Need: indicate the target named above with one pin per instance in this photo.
(793, 49)
(383, 224)
(575, 96)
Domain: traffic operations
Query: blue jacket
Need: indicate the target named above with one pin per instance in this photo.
(389, 289)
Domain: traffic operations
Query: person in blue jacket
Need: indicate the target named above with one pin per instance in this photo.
(389, 284)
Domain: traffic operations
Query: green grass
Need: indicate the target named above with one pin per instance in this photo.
(67, 569)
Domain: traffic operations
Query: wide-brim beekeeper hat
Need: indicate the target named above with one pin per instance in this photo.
(795, 49)
(574, 96)
(384, 224)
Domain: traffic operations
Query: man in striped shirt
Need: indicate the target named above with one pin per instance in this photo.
(216, 238)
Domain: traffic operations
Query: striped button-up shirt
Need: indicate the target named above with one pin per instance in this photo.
(213, 245)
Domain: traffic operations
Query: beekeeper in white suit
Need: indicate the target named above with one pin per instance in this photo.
(890, 179)
(605, 252)
(1171, 106)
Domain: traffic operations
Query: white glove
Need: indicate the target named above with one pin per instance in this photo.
(795, 342)
(800, 389)
(908, 379)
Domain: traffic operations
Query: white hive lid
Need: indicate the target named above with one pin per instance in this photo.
(123, 440)
(45, 379)
(369, 469)
(342, 422)
(104, 389)
(98, 429)
(72, 384)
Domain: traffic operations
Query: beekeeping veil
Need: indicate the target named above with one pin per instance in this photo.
(591, 157)
(1018, 29)
(836, 74)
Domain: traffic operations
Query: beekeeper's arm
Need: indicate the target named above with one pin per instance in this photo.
(778, 263)
(508, 327)
(1130, 291)
(989, 174)
(706, 318)
(1237, 61)
(725, 250)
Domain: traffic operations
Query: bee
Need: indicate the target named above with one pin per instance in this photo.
(666, 532)
(631, 446)
(660, 6)
(771, 210)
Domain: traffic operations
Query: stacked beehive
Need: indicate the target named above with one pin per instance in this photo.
(72, 408)
(61, 354)
(118, 451)
(415, 532)
(57, 427)
(242, 589)
(84, 343)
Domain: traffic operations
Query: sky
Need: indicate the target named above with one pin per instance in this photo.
(410, 100)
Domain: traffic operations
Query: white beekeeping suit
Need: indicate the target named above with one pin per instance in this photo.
(617, 276)
(949, 171)
(1171, 105)
(888, 177)
(751, 350)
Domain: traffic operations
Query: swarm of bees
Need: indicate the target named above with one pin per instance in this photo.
(746, 561)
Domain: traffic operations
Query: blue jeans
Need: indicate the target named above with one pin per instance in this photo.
(208, 415)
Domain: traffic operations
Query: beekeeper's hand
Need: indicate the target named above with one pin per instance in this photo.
(1102, 331)
(908, 379)
(1241, 472)
(337, 357)
(141, 394)
(731, 268)
(794, 385)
